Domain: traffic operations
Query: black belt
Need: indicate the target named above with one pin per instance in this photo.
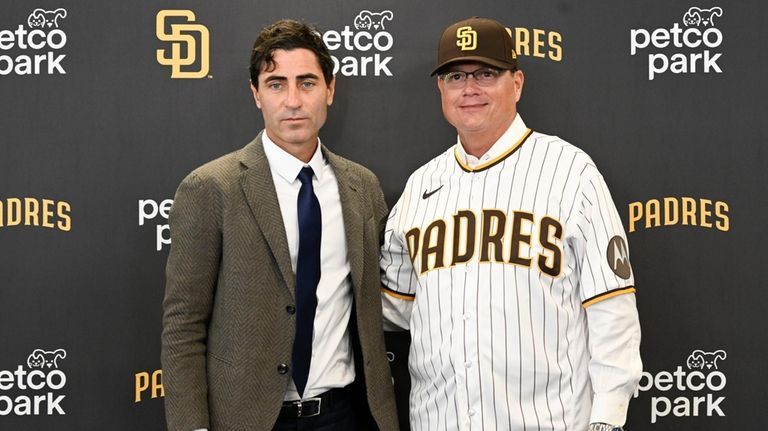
(313, 406)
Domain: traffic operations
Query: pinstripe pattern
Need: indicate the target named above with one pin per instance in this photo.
(500, 344)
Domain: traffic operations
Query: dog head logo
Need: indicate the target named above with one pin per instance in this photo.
(44, 359)
(367, 20)
(45, 19)
(705, 361)
(702, 17)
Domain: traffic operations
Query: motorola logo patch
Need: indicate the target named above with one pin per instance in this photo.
(618, 257)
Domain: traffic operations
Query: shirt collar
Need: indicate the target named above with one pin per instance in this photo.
(288, 166)
(510, 138)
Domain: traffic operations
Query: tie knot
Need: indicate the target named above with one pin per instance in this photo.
(305, 176)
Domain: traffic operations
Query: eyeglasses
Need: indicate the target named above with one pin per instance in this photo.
(485, 77)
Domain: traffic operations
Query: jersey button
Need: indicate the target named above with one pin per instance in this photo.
(468, 364)
(466, 316)
(471, 412)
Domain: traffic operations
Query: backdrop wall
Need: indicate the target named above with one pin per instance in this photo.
(97, 129)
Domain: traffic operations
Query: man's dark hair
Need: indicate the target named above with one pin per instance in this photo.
(288, 34)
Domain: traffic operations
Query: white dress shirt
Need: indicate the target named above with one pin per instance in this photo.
(332, 359)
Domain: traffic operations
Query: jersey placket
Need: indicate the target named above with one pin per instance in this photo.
(469, 365)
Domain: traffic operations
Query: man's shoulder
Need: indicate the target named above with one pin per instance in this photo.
(581, 163)
(567, 148)
(444, 158)
(537, 137)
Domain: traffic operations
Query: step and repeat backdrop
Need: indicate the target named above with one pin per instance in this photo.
(106, 106)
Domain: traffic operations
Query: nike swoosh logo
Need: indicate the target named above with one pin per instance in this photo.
(428, 194)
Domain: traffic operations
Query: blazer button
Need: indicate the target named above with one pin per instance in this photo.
(290, 309)
(282, 369)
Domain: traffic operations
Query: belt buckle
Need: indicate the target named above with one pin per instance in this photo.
(299, 406)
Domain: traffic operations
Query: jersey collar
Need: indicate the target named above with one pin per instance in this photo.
(507, 144)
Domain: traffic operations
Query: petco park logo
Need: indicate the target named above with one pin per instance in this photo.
(365, 46)
(42, 373)
(149, 210)
(697, 42)
(696, 387)
(187, 35)
(27, 46)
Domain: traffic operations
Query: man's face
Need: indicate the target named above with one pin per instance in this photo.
(481, 110)
(293, 98)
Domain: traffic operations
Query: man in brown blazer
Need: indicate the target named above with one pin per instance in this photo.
(272, 315)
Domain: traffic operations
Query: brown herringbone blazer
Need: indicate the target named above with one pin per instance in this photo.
(226, 330)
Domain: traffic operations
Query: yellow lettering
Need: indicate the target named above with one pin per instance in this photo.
(555, 52)
(721, 211)
(538, 43)
(30, 212)
(65, 222)
(141, 384)
(157, 384)
(705, 213)
(652, 214)
(47, 213)
(521, 41)
(689, 211)
(635, 214)
(13, 217)
(671, 211)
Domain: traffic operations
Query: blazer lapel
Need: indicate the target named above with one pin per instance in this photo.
(259, 189)
(349, 193)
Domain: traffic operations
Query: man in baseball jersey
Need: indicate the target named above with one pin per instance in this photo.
(506, 259)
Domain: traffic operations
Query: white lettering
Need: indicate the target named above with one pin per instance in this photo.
(360, 46)
(387, 38)
(718, 38)
(636, 43)
(61, 377)
(61, 36)
(163, 239)
(6, 39)
(32, 384)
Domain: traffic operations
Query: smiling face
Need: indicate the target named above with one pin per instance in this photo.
(294, 99)
(481, 114)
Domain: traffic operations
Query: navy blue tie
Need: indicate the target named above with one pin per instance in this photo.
(307, 277)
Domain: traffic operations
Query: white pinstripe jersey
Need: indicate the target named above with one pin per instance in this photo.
(491, 269)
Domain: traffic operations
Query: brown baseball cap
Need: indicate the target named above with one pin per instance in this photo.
(476, 39)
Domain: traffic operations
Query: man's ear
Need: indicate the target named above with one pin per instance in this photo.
(519, 78)
(331, 90)
(256, 97)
